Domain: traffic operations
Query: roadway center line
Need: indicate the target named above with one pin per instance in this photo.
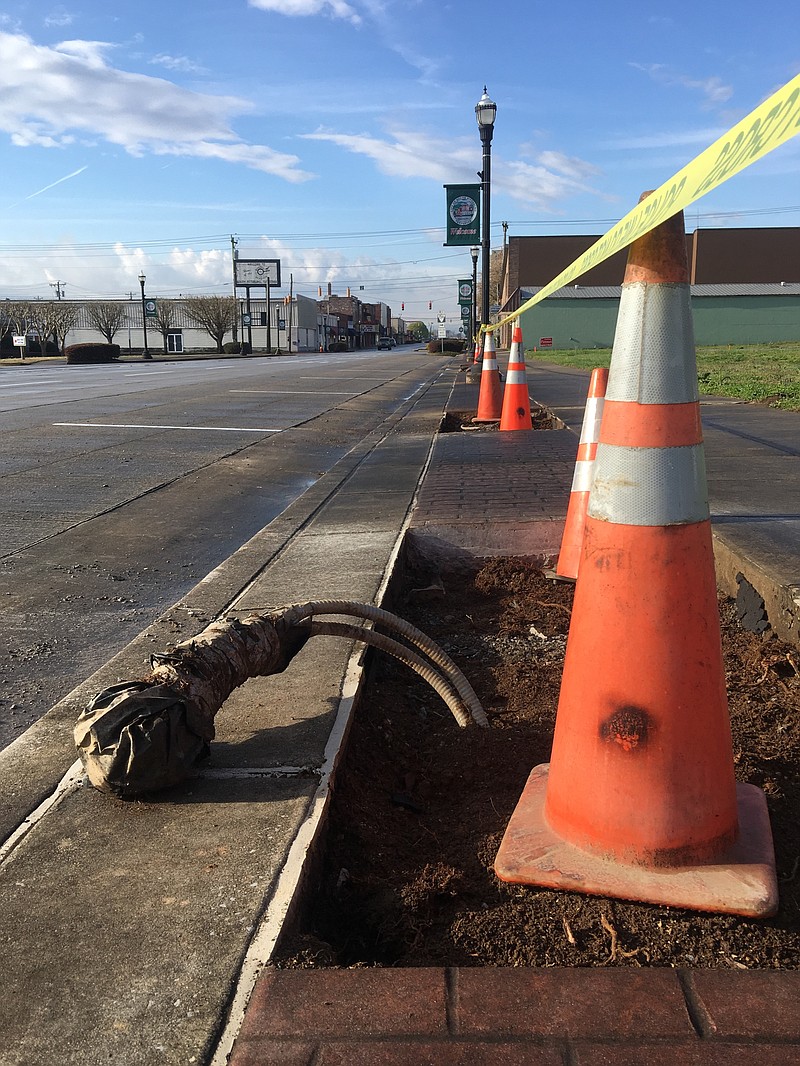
(134, 425)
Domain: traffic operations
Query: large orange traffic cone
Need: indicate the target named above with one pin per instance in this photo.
(490, 397)
(572, 539)
(516, 412)
(639, 800)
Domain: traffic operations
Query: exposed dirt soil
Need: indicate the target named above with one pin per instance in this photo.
(421, 805)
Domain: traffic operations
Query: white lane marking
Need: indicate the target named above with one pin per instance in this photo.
(288, 392)
(134, 425)
(28, 384)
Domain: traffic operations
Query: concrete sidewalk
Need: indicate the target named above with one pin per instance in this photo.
(139, 932)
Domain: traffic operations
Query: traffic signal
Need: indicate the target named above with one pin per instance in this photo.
(430, 305)
(402, 307)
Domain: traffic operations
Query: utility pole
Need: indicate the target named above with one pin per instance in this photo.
(289, 314)
(59, 291)
(234, 257)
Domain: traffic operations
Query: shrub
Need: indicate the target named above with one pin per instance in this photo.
(231, 348)
(92, 353)
(337, 346)
(454, 345)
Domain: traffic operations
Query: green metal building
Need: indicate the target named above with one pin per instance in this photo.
(586, 316)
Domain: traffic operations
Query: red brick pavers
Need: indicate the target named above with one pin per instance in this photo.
(521, 1017)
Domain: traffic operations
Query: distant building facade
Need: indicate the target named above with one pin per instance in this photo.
(745, 288)
(299, 324)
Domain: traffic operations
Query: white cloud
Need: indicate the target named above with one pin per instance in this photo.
(407, 154)
(570, 166)
(59, 16)
(337, 8)
(713, 88)
(675, 139)
(48, 96)
(181, 63)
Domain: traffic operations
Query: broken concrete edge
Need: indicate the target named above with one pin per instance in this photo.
(781, 601)
(33, 765)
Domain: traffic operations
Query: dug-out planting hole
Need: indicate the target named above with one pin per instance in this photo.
(420, 806)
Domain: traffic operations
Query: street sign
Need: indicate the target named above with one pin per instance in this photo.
(545, 342)
(247, 319)
(247, 272)
(441, 317)
(19, 342)
(442, 331)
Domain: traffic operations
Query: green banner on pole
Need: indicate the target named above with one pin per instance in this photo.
(463, 214)
(465, 292)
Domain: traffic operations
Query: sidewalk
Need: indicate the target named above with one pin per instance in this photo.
(492, 493)
(140, 933)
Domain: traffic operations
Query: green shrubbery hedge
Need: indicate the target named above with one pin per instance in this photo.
(92, 353)
(453, 345)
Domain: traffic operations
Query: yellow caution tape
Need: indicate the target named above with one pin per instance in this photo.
(771, 124)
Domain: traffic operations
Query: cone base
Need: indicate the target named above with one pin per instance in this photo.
(741, 881)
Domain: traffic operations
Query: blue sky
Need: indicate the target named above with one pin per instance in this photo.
(139, 137)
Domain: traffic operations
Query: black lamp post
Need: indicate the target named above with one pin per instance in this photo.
(473, 322)
(146, 354)
(485, 111)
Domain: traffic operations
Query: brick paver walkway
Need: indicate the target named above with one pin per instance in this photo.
(515, 1016)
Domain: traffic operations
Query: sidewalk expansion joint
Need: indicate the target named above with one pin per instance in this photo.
(72, 780)
(243, 772)
(699, 1015)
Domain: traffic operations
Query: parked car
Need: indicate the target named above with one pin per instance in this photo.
(385, 343)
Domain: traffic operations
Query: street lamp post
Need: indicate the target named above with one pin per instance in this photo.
(485, 111)
(474, 309)
(146, 354)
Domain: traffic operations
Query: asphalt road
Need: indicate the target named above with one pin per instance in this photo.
(124, 485)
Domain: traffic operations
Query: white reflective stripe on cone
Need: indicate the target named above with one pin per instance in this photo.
(516, 377)
(662, 370)
(649, 486)
(590, 430)
(583, 476)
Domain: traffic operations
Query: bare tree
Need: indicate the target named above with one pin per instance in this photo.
(17, 318)
(107, 317)
(43, 319)
(215, 314)
(66, 316)
(165, 318)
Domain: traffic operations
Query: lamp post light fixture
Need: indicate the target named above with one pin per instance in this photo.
(473, 322)
(146, 354)
(485, 112)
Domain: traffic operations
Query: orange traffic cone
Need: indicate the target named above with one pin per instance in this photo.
(516, 412)
(478, 354)
(572, 540)
(639, 800)
(490, 397)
